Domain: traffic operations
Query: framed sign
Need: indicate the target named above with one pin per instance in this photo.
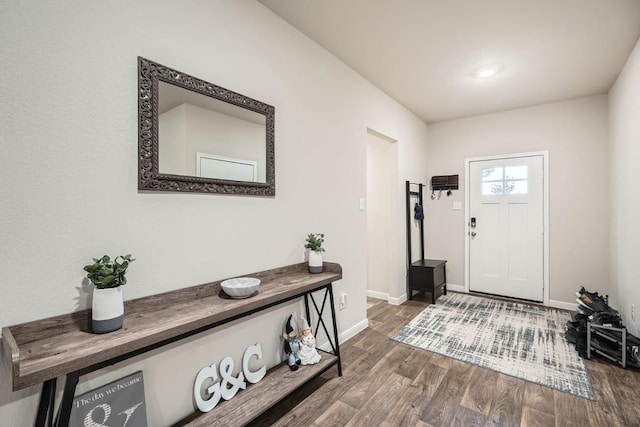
(117, 404)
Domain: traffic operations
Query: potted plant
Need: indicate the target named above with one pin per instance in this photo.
(314, 243)
(107, 305)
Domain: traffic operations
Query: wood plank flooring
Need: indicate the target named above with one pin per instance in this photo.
(386, 383)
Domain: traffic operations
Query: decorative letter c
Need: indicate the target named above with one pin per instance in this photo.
(255, 376)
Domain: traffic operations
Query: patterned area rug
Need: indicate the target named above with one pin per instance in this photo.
(521, 340)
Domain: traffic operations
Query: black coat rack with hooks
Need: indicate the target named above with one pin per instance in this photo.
(409, 195)
(424, 274)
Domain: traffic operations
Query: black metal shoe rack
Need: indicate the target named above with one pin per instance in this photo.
(617, 336)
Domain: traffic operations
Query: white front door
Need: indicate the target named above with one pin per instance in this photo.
(506, 227)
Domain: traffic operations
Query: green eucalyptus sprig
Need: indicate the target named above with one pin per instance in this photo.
(314, 242)
(105, 273)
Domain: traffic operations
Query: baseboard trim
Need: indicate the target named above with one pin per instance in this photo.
(347, 335)
(384, 296)
(354, 330)
(402, 298)
(455, 288)
(378, 295)
(397, 301)
(571, 306)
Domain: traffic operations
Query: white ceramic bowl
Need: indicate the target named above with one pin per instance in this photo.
(240, 287)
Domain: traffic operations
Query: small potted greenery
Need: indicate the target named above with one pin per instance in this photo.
(107, 305)
(314, 243)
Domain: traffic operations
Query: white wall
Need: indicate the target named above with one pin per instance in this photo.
(68, 84)
(624, 136)
(575, 133)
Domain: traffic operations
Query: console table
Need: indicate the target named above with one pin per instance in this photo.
(40, 351)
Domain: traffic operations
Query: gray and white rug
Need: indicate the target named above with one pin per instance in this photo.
(521, 340)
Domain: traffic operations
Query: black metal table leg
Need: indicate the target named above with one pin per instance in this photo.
(45, 407)
(335, 329)
(70, 384)
(335, 345)
(320, 321)
(306, 308)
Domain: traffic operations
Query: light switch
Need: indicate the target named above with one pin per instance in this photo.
(457, 206)
(361, 203)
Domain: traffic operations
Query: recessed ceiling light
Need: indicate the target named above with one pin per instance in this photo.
(487, 71)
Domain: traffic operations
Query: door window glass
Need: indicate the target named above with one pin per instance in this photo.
(507, 180)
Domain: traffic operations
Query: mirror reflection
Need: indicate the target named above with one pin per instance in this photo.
(204, 137)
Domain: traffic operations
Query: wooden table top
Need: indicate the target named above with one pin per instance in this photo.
(44, 349)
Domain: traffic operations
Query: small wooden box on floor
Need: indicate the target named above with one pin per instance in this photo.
(427, 275)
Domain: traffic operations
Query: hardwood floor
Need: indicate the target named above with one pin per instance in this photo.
(386, 383)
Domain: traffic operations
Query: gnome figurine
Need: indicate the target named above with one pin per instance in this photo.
(308, 353)
(291, 346)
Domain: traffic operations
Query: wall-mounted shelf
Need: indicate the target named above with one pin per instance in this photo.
(41, 351)
(444, 182)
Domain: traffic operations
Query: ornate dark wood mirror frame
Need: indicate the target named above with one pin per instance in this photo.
(150, 74)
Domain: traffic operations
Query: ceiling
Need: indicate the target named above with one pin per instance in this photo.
(426, 53)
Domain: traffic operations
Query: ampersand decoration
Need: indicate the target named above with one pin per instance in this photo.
(230, 385)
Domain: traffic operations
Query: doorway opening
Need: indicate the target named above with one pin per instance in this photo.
(382, 214)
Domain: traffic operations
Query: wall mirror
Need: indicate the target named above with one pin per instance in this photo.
(194, 136)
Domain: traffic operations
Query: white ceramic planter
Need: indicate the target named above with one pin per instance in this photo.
(107, 310)
(315, 262)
